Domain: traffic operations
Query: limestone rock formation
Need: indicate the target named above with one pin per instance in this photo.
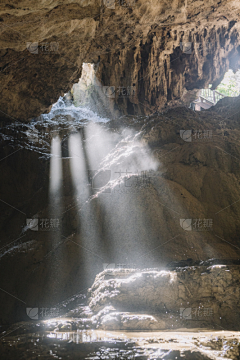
(162, 49)
(153, 299)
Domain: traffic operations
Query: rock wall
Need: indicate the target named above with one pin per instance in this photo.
(135, 43)
(160, 73)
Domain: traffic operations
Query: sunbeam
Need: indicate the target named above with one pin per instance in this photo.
(55, 166)
(55, 254)
(78, 167)
(127, 161)
(89, 232)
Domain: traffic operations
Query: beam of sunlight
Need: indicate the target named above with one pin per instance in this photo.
(99, 144)
(125, 154)
(55, 166)
(89, 233)
(131, 234)
(55, 251)
(78, 167)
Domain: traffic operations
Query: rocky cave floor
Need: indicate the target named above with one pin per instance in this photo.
(94, 329)
(96, 345)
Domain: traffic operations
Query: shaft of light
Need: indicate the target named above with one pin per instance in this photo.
(78, 166)
(55, 166)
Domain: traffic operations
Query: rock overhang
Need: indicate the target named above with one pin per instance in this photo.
(141, 44)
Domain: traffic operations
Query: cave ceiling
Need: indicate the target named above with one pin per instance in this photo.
(164, 49)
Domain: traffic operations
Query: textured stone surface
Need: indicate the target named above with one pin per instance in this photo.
(152, 299)
(139, 226)
(136, 45)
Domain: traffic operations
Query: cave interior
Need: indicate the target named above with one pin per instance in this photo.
(120, 179)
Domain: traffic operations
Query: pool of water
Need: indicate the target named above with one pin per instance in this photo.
(97, 345)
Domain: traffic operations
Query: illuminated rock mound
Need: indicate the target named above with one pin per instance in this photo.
(148, 300)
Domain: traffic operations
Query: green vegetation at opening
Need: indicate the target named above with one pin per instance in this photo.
(230, 85)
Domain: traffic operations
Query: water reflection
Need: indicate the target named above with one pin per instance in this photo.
(120, 345)
(87, 336)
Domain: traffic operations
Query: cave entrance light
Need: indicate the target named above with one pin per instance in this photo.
(229, 87)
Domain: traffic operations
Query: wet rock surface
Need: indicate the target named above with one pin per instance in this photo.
(96, 345)
(152, 299)
(67, 337)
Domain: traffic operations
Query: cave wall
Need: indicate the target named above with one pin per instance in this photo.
(159, 77)
(160, 69)
(136, 45)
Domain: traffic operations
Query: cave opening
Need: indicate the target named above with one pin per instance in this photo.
(229, 87)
